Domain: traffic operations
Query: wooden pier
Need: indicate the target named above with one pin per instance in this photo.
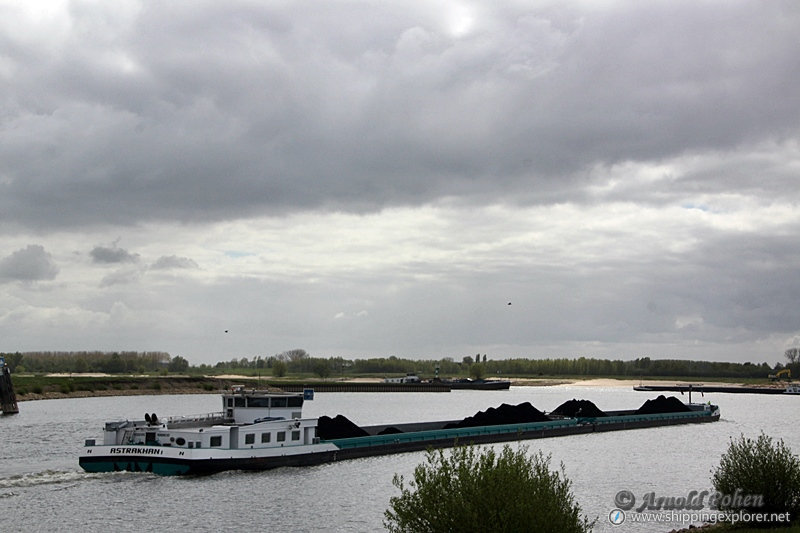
(8, 400)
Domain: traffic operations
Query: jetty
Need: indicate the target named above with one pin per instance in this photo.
(8, 400)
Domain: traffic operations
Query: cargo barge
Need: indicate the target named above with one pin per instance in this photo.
(730, 389)
(259, 430)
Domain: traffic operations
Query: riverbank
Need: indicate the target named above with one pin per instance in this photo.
(49, 387)
(56, 386)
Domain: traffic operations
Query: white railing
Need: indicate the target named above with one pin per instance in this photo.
(195, 418)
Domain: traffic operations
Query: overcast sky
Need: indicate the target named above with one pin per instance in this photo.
(380, 178)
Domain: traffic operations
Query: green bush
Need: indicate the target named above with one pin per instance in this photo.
(759, 467)
(476, 489)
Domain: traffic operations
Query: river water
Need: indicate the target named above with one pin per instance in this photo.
(43, 489)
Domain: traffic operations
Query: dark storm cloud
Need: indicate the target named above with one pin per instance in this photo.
(111, 255)
(31, 263)
(208, 111)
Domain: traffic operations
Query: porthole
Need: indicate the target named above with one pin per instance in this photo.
(180, 441)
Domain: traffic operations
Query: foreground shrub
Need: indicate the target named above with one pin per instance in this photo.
(759, 467)
(476, 489)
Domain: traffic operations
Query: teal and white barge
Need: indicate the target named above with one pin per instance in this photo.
(259, 430)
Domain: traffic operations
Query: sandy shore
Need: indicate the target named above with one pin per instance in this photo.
(630, 383)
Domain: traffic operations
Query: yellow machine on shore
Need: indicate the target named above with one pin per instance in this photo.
(781, 374)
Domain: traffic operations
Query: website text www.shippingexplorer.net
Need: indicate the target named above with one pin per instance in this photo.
(618, 517)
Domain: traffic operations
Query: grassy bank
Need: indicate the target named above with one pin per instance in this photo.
(34, 387)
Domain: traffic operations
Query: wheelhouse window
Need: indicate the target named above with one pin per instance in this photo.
(238, 401)
(258, 402)
(265, 437)
(249, 438)
(215, 441)
(295, 435)
(279, 402)
(281, 436)
(295, 401)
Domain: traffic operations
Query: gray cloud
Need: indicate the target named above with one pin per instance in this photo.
(167, 262)
(625, 173)
(123, 276)
(31, 263)
(113, 254)
(229, 111)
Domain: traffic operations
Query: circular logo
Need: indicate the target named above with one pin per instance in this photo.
(616, 517)
(625, 500)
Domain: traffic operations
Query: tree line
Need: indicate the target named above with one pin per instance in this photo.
(88, 361)
(298, 361)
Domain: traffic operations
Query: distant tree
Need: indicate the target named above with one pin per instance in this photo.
(13, 360)
(279, 368)
(322, 369)
(477, 371)
(793, 355)
(295, 355)
(115, 364)
(477, 489)
(467, 360)
(178, 364)
(80, 365)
